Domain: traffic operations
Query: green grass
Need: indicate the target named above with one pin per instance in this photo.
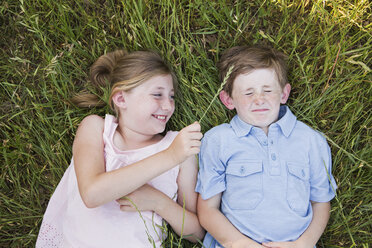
(47, 47)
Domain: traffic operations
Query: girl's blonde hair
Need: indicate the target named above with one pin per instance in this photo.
(122, 71)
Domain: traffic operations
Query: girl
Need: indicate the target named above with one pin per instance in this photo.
(125, 177)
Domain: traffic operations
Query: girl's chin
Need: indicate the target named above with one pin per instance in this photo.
(160, 129)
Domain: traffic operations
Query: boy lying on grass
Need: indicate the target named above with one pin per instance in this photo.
(265, 178)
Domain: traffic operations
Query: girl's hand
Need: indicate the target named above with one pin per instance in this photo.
(145, 198)
(186, 143)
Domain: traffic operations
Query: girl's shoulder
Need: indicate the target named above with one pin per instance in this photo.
(89, 133)
(92, 119)
(92, 123)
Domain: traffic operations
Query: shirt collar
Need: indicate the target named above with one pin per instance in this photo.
(240, 127)
(286, 122)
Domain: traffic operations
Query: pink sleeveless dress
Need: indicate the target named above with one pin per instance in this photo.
(68, 222)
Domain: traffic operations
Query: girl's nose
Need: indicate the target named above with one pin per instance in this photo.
(167, 104)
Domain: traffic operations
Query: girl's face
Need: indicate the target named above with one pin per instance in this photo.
(148, 107)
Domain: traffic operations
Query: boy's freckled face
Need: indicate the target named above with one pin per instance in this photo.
(257, 96)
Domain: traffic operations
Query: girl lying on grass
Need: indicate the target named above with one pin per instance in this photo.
(125, 177)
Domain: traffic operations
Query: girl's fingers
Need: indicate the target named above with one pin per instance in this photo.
(195, 127)
(194, 150)
(127, 208)
(195, 143)
(122, 202)
(196, 135)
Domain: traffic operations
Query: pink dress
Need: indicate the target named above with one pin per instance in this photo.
(68, 222)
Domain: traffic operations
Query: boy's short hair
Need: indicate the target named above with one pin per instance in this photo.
(244, 59)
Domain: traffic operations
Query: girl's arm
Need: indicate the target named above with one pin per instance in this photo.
(183, 220)
(219, 226)
(96, 186)
(321, 213)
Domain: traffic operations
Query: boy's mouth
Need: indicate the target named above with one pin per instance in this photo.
(260, 110)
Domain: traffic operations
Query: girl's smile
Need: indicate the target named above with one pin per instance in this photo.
(160, 117)
(151, 104)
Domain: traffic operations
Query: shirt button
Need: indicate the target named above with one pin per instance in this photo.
(273, 157)
(264, 143)
(271, 142)
(242, 170)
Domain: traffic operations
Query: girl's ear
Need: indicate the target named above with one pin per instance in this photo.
(285, 93)
(226, 100)
(119, 99)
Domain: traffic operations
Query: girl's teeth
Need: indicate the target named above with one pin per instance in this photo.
(160, 117)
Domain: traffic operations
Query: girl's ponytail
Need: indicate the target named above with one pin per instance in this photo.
(101, 75)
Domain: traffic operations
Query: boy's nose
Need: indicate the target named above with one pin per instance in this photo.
(259, 99)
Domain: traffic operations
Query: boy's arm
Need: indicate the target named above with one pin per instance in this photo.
(321, 213)
(185, 221)
(219, 226)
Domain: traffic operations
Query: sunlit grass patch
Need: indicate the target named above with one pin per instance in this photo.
(48, 46)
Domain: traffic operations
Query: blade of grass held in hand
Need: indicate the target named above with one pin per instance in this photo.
(218, 92)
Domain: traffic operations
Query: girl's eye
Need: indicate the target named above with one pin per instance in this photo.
(249, 94)
(172, 97)
(267, 91)
(157, 95)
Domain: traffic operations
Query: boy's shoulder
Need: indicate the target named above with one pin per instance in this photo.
(219, 131)
(310, 132)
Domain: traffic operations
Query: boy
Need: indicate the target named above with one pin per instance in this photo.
(263, 177)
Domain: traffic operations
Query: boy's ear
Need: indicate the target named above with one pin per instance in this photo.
(226, 100)
(119, 99)
(285, 93)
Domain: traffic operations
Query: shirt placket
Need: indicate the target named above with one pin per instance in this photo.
(260, 137)
(274, 163)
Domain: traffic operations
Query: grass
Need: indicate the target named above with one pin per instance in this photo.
(47, 47)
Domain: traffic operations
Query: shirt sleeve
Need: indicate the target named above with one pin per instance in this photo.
(322, 184)
(211, 175)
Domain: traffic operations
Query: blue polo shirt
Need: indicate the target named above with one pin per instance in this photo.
(267, 182)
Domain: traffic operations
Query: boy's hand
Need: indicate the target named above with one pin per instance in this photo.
(186, 143)
(294, 244)
(308, 239)
(245, 243)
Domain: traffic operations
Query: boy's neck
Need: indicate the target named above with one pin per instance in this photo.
(266, 130)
